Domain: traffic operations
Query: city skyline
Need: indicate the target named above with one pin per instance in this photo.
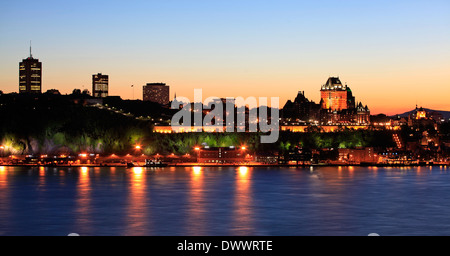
(393, 55)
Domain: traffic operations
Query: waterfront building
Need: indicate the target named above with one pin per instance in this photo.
(297, 155)
(100, 84)
(156, 92)
(358, 155)
(267, 157)
(30, 75)
(221, 155)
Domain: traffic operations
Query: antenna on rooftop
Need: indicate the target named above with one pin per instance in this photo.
(31, 56)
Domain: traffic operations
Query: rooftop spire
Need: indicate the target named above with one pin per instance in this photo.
(31, 56)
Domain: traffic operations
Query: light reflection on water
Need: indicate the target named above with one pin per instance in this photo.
(136, 215)
(225, 201)
(196, 210)
(83, 201)
(242, 211)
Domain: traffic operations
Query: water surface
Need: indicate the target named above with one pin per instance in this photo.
(225, 201)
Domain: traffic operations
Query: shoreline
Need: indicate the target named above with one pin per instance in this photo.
(229, 165)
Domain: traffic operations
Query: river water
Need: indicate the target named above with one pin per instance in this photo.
(225, 201)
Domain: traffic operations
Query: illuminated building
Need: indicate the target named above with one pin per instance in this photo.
(30, 75)
(221, 155)
(338, 105)
(425, 116)
(100, 85)
(359, 155)
(156, 92)
(421, 116)
(335, 96)
(362, 114)
(419, 113)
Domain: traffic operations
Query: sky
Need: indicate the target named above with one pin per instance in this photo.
(393, 54)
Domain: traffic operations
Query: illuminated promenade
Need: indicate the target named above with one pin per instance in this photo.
(292, 128)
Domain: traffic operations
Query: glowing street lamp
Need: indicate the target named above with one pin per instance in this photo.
(197, 148)
(138, 147)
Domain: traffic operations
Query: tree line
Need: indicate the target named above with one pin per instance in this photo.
(57, 125)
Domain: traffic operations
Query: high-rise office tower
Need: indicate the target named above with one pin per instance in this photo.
(100, 85)
(30, 75)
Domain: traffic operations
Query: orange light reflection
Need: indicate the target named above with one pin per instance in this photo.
(83, 201)
(196, 210)
(243, 213)
(137, 219)
(3, 177)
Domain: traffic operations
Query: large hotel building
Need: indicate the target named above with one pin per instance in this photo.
(156, 92)
(337, 107)
(30, 75)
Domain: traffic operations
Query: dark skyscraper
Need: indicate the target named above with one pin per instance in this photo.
(30, 75)
(156, 92)
(100, 85)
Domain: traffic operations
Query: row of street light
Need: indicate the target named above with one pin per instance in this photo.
(137, 147)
